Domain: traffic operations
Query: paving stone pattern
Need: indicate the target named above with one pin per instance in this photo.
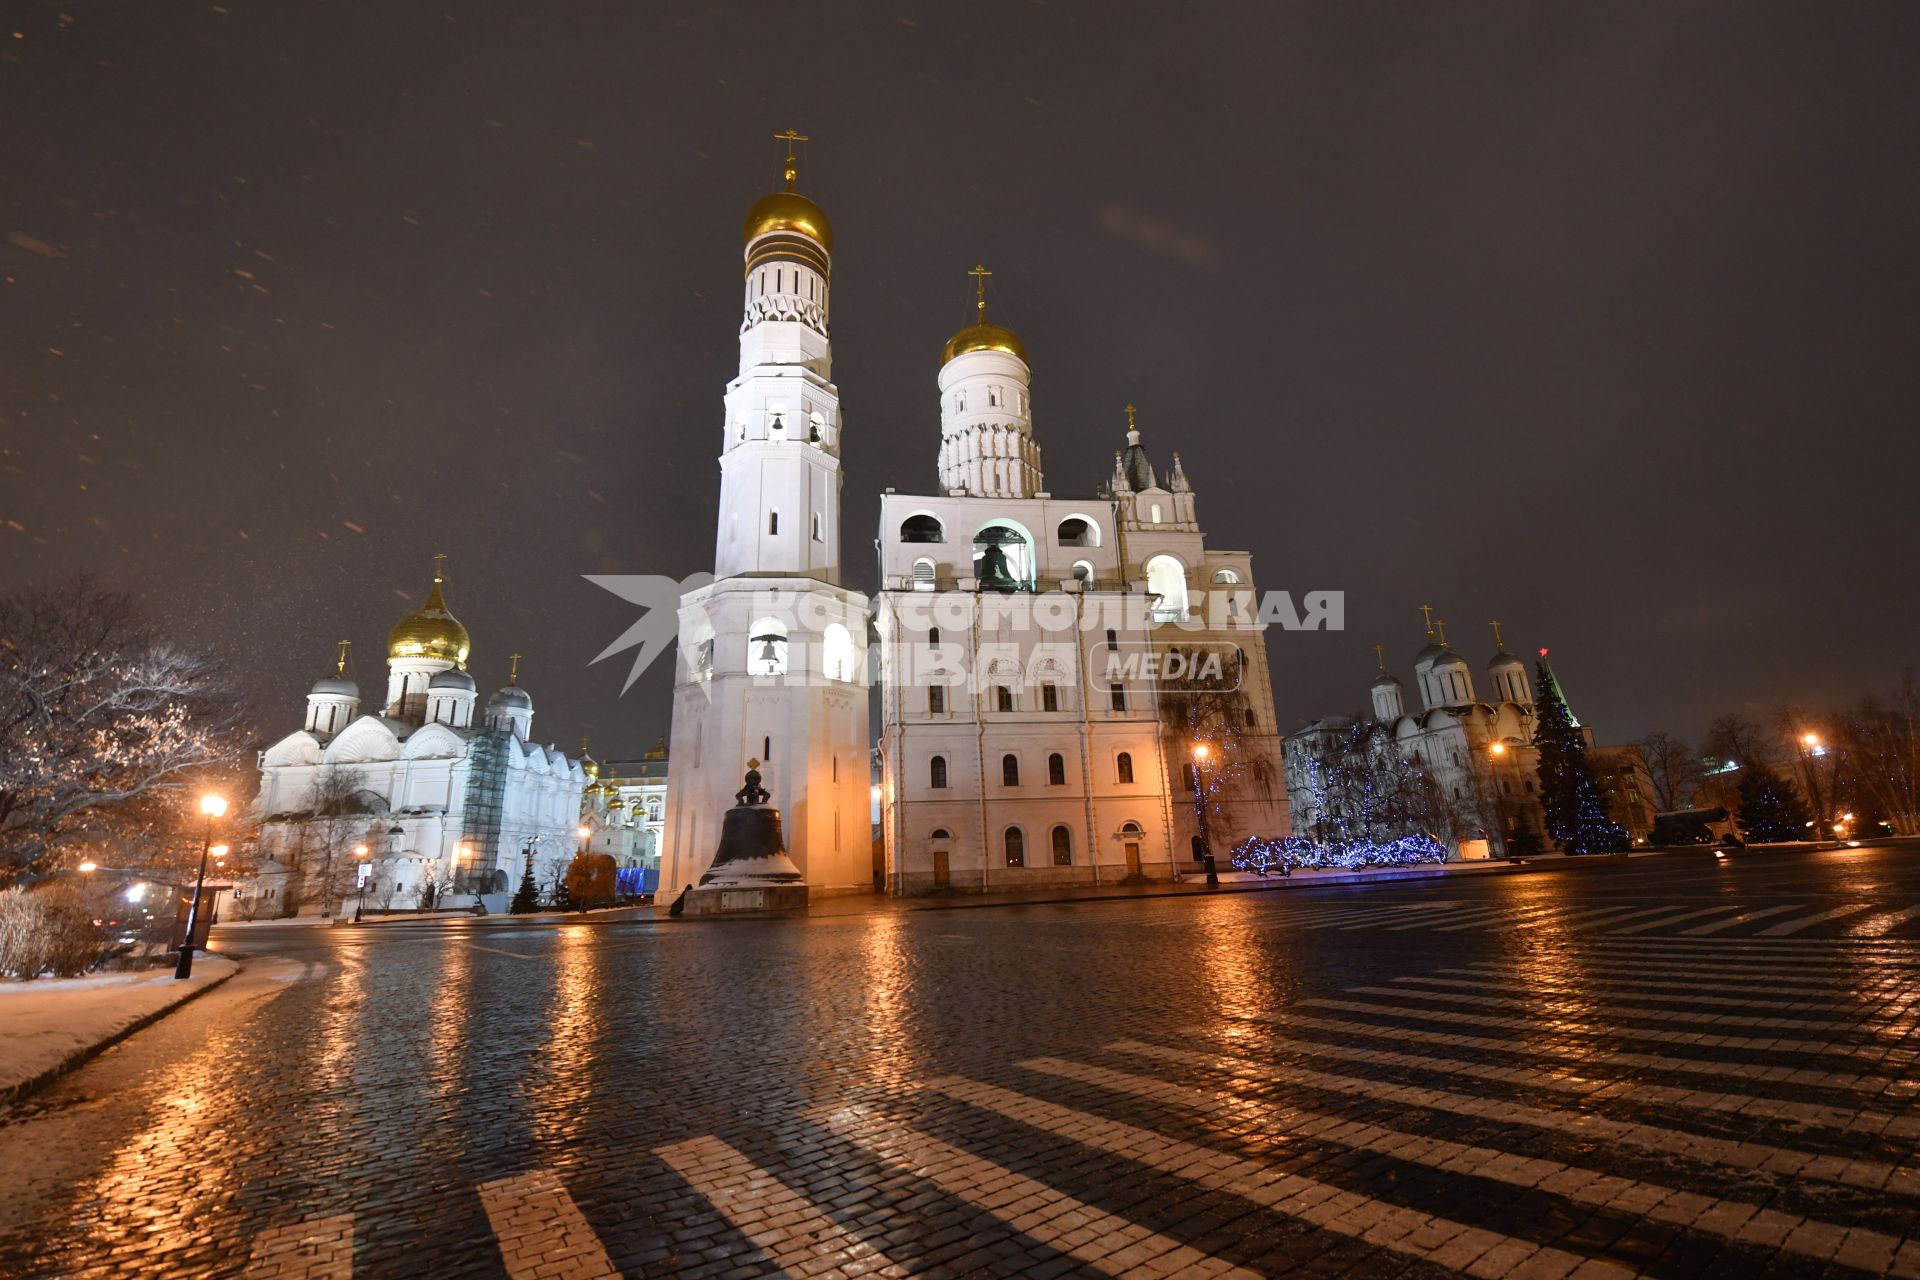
(1677, 1067)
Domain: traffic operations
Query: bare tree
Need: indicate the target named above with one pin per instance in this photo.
(318, 852)
(1203, 704)
(103, 723)
(1673, 769)
(1882, 737)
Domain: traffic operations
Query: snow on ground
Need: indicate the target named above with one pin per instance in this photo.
(46, 1022)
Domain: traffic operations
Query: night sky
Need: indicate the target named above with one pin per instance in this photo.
(1597, 319)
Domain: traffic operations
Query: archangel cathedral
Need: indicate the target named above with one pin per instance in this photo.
(428, 796)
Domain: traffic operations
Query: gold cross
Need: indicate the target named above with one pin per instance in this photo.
(1442, 624)
(513, 673)
(1426, 611)
(340, 667)
(439, 566)
(980, 274)
(1380, 652)
(1498, 643)
(790, 137)
(1130, 426)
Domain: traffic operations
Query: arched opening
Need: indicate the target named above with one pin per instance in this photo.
(1010, 770)
(923, 575)
(937, 773)
(767, 648)
(1003, 557)
(836, 652)
(1078, 531)
(1062, 847)
(1056, 770)
(1016, 846)
(922, 528)
(1167, 578)
(1123, 767)
(1083, 570)
(1226, 575)
(1199, 849)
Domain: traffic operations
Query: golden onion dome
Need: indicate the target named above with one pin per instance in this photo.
(789, 211)
(430, 632)
(985, 337)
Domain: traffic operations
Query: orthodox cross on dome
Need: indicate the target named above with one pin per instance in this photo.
(1130, 424)
(1380, 653)
(1426, 611)
(980, 274)
(1499, 645)
(1441, 624)
(513, 678)
(340, 663)
(439, 566)
(790, 137)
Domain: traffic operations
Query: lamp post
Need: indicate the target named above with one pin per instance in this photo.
(1201, 752)
(213, 806)
(360, 867)
(1811, 749)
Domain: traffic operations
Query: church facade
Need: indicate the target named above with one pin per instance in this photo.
(436, 789)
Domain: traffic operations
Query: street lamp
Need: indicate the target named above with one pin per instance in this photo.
(213, 806)
(359, 897)
(1201, 752)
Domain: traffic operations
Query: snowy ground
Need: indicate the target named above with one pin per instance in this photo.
(46, 1022)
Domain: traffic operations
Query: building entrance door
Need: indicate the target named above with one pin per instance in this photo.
(1133, 857)
(941, 870)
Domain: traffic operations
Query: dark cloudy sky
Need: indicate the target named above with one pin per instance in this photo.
(1598, 319)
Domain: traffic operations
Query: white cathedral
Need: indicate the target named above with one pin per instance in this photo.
(443, 792)
(1026, 738)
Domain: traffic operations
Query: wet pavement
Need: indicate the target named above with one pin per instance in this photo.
(1679, 1066)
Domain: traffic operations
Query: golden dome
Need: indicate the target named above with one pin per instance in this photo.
(789, 211)
(430, 632)
(985, 337)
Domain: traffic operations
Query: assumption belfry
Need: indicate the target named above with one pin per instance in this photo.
(772, 655)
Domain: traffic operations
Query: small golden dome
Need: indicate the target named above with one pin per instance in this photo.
(985, 337)
(789, 211)
(430, 632)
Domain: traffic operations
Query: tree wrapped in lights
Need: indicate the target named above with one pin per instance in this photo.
(1287, 852)
(1362, 789)
(1576, 812)
(1770, 809)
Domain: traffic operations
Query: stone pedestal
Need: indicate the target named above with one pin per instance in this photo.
(751, 873)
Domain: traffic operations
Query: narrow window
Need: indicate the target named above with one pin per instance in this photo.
(818, 529)
(1002, 698)
(1113, 638)
(1251, 719)
(1010, 770)
(1016, 848)
(1123, 768)
(993, 397)
(1062, 847)
(937, 773)
(933, 637)
(1049, 697)
(766, 749)
(937, 699)
(836, 768)
(1190, 777)
(773, 523)
(1056, 770)
(1117, 697)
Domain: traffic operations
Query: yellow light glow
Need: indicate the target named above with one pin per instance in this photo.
(213, 806)
(1811, 739)
(1498, 748)
(583, 831)
(89, 866)
(219, 850)
(359, 851)
(1200, 751)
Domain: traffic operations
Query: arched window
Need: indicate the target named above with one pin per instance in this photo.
(1016, 848)
(937, 773)
(773, 523)
(836, 652)
(1167, 578)
(923, 575)
(922, 528)
(1123, 767)
(1062, 847)
(1003, 556)
(1154, 512)
(1002, 698)
(1010, 770)
(1251, 718)
(1225, 575)
(939, 833)
(933, 637)
(1056, 770)
(819, 529)
(1049, 697)
(1078, 531)
(816, 425)
(767, 648)
(1083, 570)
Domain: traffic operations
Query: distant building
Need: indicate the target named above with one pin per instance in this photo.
(625, 808)
(438, 790)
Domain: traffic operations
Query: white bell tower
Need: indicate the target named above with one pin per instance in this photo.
(772, 655)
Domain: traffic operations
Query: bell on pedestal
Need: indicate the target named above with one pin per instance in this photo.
(753, 850)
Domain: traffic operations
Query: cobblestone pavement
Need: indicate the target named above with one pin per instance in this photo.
(1681, 1066)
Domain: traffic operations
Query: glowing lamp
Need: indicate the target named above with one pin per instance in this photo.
(213, 806)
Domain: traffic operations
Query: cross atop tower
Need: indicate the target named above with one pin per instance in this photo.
(1130, 426)
(790, 137)
(1380, 652)
(1442, 624)
(513, 671)
(980, 274)
(1426, 611)
(1499, 645)
(340, 663)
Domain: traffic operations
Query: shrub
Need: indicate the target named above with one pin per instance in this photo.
(47, 930)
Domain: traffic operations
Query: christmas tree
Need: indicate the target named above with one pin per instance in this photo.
(526, 899)
(1577, 818)
(1770, 809)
